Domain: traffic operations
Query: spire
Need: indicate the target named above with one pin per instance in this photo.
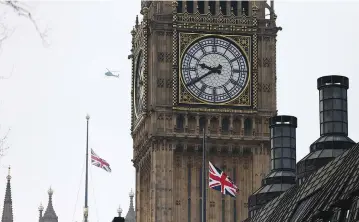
(50, 215)
(131, 216)
(41, 209)
(7, 215)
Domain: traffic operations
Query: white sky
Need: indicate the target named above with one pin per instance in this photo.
(52, 89)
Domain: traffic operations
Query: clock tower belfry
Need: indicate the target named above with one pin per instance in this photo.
(201, 65)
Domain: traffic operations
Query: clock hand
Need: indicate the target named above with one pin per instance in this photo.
(199, 78)
(212, 70)
(204, 66)
(215, 69)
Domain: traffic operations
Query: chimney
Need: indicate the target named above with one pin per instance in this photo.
(333, 112)
(283, 158)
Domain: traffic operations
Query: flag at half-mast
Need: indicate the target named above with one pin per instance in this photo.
(99, 162)
(218, 180)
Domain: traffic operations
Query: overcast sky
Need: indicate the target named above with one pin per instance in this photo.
(53, 88)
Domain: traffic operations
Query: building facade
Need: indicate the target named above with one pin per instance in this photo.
(201, 65)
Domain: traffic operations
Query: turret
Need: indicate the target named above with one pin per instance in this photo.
(283, 158)
(50, 215)
(41, 209)
(131, 215)
(333, 112)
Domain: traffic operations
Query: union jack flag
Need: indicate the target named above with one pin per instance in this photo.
(97, 161)
(218, 180)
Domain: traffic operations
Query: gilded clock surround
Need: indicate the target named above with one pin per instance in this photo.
(243, 100)
(222, 26)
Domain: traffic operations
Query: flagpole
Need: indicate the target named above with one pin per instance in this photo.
(87, 165)
(204, 174)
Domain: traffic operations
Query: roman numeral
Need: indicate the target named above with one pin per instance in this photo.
(192, 56)
(229, 45)
(235, 70)
(190, 68)
(214, 94)
(234, 82)
(227, 92)
(214, 48)
(235, 59)
(202, 48)
(203, 88)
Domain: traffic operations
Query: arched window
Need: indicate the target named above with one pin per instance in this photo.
(223, 6)
(248, 127)
(212, 5)
(180, 122)
(202, 123)
(234, 6)
(189, 6)
(245, 7)
(179, 6)
(201, 6)
(225, 124)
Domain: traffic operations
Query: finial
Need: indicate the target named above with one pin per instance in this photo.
(133, 31)
(243, 11)
(51, 191)
(87, 116)
(131, 193)
(8, 175)
(119, 210)
(136, 21)
(41, 208)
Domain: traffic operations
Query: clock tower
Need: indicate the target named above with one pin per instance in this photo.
(201, 65)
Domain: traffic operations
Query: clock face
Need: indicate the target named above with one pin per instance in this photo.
(139, 86)
(214, 70)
